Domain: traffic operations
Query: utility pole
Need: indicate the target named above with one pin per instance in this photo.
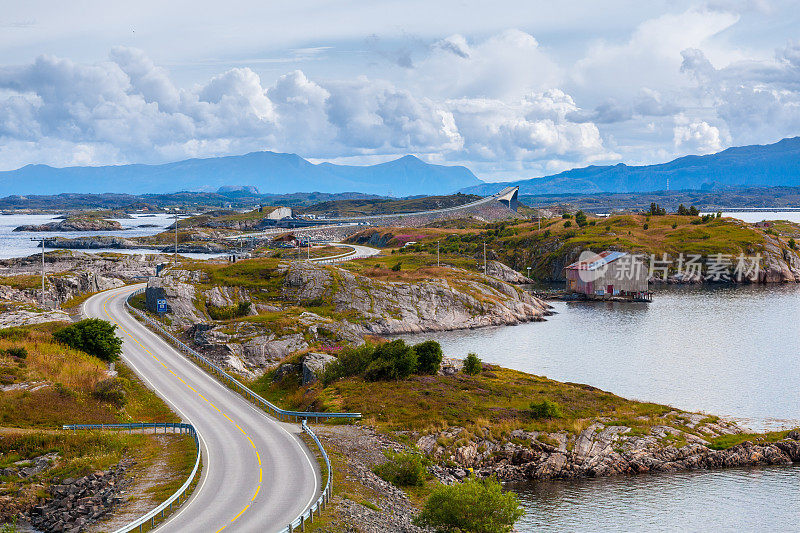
(529, 272)
(176, 237)
(41, 242)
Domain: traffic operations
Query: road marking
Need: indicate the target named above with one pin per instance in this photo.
(258, 456)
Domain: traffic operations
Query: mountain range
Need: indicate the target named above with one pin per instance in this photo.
(269, 172)
(771, 165)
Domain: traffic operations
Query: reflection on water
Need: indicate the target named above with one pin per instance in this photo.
(751, 499)
(725, 350)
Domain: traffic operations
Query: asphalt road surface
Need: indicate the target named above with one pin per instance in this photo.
(257, 473)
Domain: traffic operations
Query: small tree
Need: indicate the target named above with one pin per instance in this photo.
(93, 336)
(792, 243)
(693, 211)
(472, 364)
(429, 357)
(477, 506)
(682, 211)
(580, 219)
(567, 224)
(545, 409)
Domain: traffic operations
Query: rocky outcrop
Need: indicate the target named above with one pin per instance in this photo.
(314, 364)
(75, 224)
(398, 307)
(377, 307)
(22, 317)
(504, 273)
(601, 450)
(95, 242)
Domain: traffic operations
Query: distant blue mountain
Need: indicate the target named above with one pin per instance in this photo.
(270, 172)
(769, 165)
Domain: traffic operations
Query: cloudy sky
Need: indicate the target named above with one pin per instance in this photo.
(512, 89)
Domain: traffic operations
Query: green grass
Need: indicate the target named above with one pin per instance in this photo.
(498, 400)
(70, 376)
(22, 282)
(724, 442)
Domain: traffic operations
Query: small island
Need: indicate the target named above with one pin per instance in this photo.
(75, 222)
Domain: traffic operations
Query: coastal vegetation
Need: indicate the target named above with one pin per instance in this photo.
(44, 384)
(476, 505)
(548, 245)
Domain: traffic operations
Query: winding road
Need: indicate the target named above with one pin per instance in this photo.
(257, 473)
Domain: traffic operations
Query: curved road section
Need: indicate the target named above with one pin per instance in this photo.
(257, 473)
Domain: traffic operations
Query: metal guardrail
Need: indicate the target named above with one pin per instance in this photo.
(322, 501)
(277, 412)
(166, 506)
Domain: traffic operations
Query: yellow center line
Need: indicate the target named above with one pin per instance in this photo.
(258, 456)
(240, 512)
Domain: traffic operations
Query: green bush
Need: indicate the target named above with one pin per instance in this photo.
(230, 311)
(93, 336)
(391, 361)
(351, 362)
(403, 469)
(19, 352)
(472, 364)
(580, 219)
(792, 243)
(397, 266)
(111, 390)
(646, 226)
(567, 224)
(429, 357)
(476, 506)
(566, 215)
(545, 409)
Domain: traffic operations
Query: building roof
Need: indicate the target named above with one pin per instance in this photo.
(598, 261)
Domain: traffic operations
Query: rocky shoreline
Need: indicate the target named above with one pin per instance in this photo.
(371, 307)
(603, 450)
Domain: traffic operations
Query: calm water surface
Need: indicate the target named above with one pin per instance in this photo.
(725, 350)
(19, 244)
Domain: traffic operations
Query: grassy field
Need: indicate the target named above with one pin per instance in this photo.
(496, 400)
(56, 385)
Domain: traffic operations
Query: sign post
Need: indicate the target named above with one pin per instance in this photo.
(161, 305)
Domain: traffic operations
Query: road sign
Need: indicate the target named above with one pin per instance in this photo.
(161, 305)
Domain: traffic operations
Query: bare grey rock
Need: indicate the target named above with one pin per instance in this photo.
(314, 364)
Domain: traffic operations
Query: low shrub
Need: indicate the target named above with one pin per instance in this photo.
(19, 352)
(472, 364)
(403, 469)
(229, 312)
(477, 506)
(93, 336)
(111, 390)
(545, 409)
